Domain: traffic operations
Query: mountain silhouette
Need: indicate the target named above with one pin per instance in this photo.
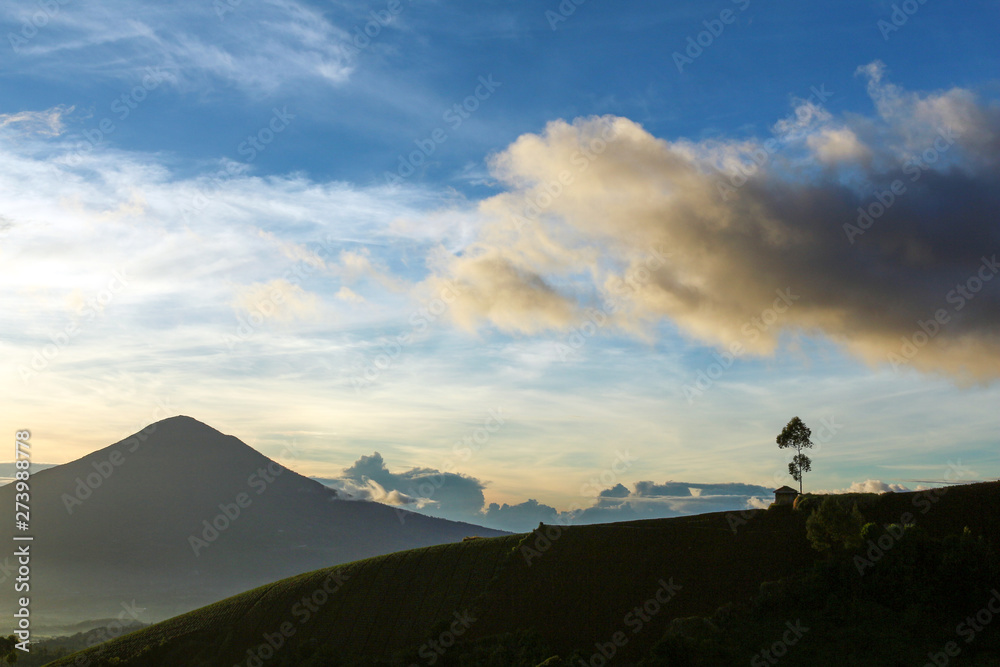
(180, 515)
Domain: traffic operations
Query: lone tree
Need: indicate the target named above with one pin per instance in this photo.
(796, 434)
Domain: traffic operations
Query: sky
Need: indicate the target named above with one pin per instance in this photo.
(500, 260)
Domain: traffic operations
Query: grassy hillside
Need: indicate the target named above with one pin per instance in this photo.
(360, 608)
(582, 589)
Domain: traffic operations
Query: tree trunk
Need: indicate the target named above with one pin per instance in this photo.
(798, 451)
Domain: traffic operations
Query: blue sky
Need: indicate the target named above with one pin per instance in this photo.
(595, 203)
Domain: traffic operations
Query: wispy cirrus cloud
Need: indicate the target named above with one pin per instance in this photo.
(257, 46)
(47, 123)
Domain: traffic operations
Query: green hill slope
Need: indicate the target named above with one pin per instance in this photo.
(583, 589)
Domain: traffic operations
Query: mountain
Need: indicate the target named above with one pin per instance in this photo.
(180, 515)
(715, 590)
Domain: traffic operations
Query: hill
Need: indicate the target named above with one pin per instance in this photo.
(181, 515)
(614, 588)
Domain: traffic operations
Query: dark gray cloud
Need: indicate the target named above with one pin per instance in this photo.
(446, 494)
(880, 232)
(617, 491)
(460, 497)
(682, 489)
(518, 518)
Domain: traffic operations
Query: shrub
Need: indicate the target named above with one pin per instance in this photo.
(832, 526)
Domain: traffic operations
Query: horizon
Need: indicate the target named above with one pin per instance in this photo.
(549, 253)
(431, 492)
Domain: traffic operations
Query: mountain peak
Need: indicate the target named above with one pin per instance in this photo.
(183, 512)
(181, 422)
(182, 432)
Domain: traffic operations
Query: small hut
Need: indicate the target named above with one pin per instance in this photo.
(785, 495)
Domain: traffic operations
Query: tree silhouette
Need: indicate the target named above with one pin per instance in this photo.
(796, 434)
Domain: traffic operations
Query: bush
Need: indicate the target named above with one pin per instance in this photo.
(831, 526)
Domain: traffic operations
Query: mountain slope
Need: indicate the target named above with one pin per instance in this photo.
(180, 515)
(584, 586)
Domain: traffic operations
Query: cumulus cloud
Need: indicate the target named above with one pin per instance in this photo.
(651, 500)
(832, 145)
(741, 242)
(452, 495)
(617, 491)
(446, 494)
(871, 486)
(520, 517)
(496, 288)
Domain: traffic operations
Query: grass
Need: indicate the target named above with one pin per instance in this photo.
(571, 588)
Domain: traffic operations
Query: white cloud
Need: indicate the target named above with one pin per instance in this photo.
(257, 46)
(45, 123)
(599, 212)
(278, 298)
(460, 497)
(138, 262)
(349, 295)
(834, 145)
(871, 486)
